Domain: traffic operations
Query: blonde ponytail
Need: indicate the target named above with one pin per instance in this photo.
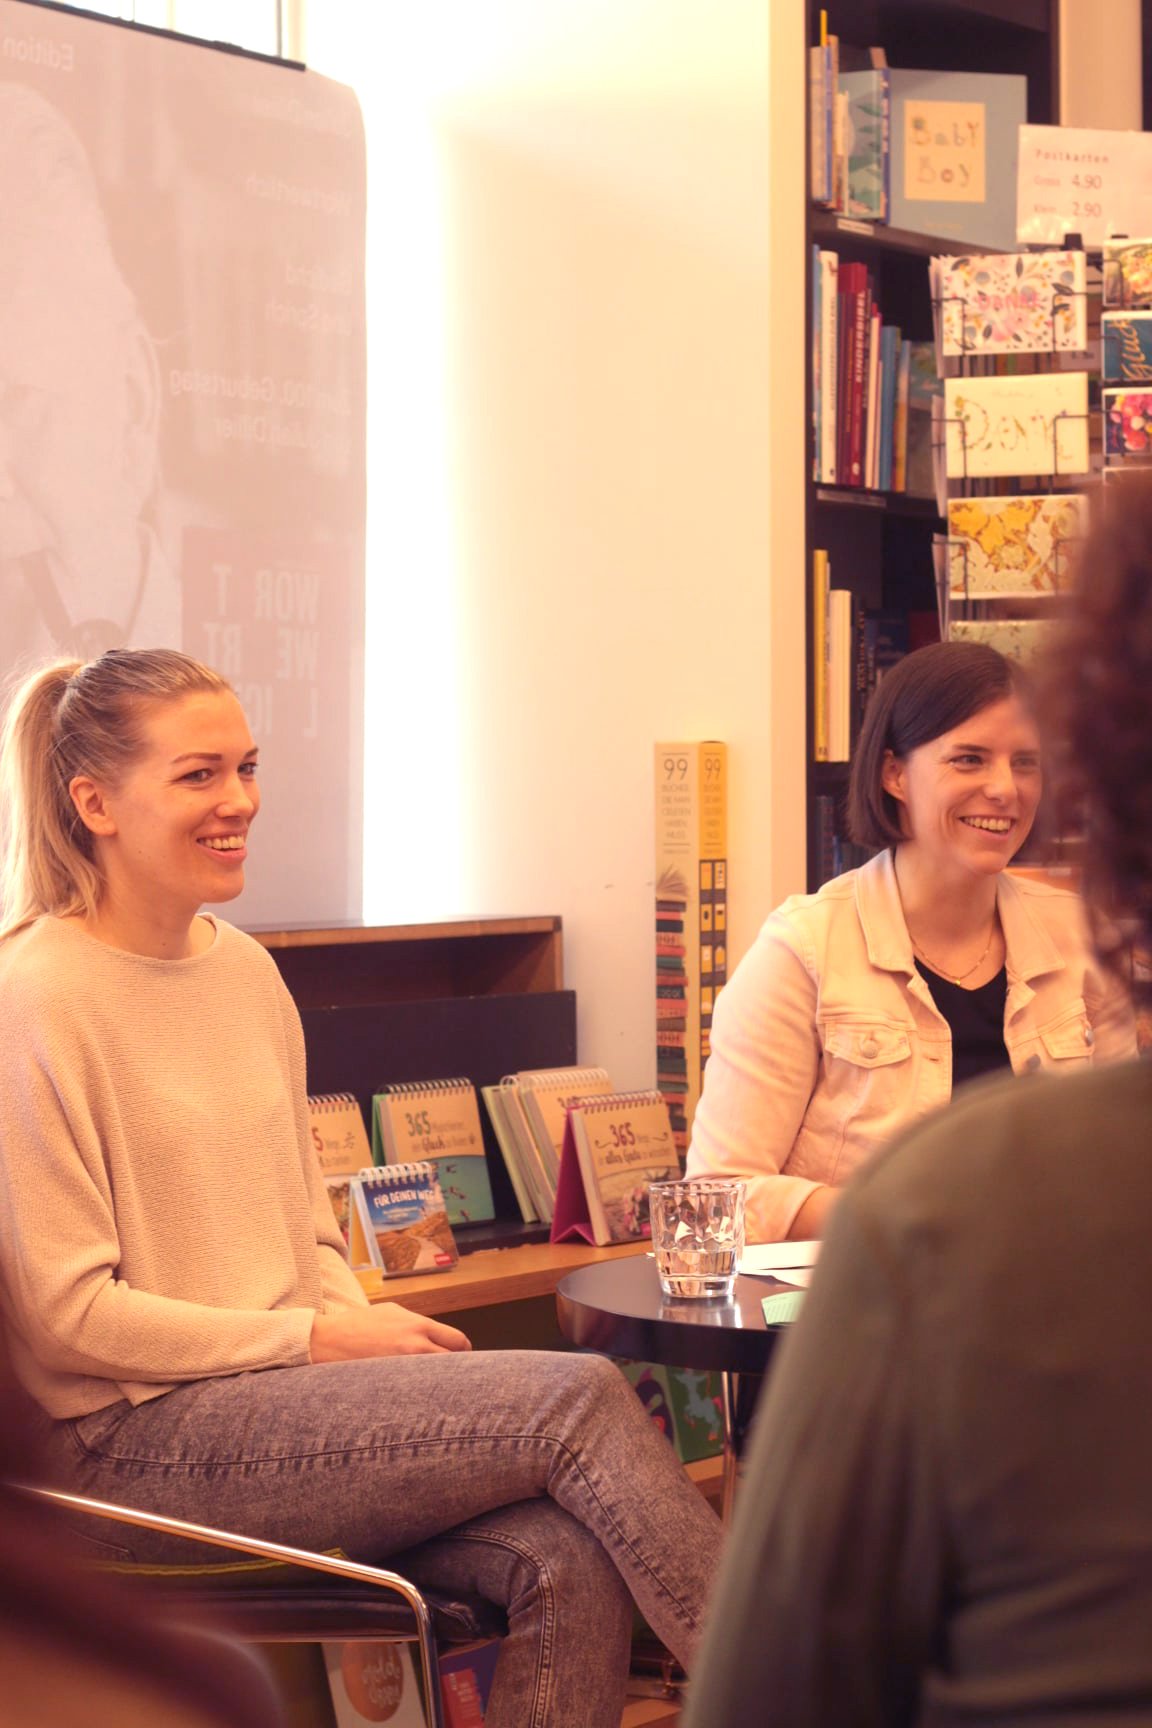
(66, 719)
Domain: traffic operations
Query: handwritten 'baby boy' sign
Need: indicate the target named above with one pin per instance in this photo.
(945, 150)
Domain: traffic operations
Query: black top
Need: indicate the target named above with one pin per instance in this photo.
(976, 1018)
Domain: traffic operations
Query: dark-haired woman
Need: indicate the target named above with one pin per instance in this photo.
(860, 1008)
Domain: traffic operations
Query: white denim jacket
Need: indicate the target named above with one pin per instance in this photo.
(827, 1040)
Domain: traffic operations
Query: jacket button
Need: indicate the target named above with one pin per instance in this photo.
(1089, 1036)
(869, 1048)
(1032, 1064)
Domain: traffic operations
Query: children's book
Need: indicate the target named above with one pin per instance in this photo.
(438, 1121)
(1011, 303)
(1013, 546)
(866, 143)
(404, 1218)
(1126, 347)
(373, 1683)
(954, 146)
(1021, 424)
(613, 1147)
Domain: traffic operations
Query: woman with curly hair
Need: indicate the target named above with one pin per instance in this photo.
(947, 1515)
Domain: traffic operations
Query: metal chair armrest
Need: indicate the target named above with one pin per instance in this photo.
(353, 1570)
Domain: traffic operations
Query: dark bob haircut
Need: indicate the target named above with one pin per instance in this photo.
(926, 694)
(1095, 699)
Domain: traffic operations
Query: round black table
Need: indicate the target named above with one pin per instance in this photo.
(618, 1307)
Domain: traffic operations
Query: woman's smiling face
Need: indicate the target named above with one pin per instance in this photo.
(969, 797)
(173, 833)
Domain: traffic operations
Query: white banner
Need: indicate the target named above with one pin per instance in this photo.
(182, 399)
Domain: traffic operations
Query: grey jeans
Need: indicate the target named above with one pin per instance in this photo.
(530, 1478)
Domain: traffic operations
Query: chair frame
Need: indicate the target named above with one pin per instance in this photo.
(423, 1633)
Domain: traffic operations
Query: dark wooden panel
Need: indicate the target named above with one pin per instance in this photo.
(362, 1046)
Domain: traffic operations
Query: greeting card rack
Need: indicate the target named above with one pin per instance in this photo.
(880, 544)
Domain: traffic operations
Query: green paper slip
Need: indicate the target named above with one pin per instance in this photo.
(783, 1307)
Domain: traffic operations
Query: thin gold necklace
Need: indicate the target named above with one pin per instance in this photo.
(957, 977)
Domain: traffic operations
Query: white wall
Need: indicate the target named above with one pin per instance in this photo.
(585, 458)
(1100, 67)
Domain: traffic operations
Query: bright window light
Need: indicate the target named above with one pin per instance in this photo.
(413, 853)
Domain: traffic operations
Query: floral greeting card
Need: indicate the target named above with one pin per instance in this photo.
(1127, 273)
(1011, 303)
(1127, 422)
(1013, 546)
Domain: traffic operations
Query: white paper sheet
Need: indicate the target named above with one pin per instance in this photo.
(767, 1259)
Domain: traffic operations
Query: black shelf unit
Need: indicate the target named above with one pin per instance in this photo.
(880, 545)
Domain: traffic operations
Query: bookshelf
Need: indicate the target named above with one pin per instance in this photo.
(880, 544)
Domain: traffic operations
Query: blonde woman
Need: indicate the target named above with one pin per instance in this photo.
(180, 1306)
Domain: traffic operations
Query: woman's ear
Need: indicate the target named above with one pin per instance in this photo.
(91, 806)
(892, 776)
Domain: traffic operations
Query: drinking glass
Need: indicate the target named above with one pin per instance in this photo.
(697, 1235)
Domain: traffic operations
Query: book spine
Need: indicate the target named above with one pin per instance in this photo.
(890, 345)
(817, 131)
(825, 837)
(885, 99)
(816, 358)
(872, 418)
(820, 655)
(845, 315)
(691, 964)
(857, 393)
(839, 674)
(859, 674)
(830, 302)
(900, 426)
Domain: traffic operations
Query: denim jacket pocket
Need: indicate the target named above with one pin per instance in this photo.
(1068, 1038)
(866, 1044)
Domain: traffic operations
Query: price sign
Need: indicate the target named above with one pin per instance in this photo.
(1075, 180)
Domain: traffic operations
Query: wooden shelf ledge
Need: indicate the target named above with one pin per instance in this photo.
(491, 1276)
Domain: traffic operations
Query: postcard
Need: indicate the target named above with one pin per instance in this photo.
(1021, 424)
(1127, 273)
(1012, 303)
(1127, 422)
(1015, 638)
(1011, 547)
(1126, 347)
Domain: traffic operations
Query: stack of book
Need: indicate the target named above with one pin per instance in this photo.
(871, 390)
(853, 647)
(528, 1112)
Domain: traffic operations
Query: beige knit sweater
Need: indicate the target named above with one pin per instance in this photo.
(162, 1214)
